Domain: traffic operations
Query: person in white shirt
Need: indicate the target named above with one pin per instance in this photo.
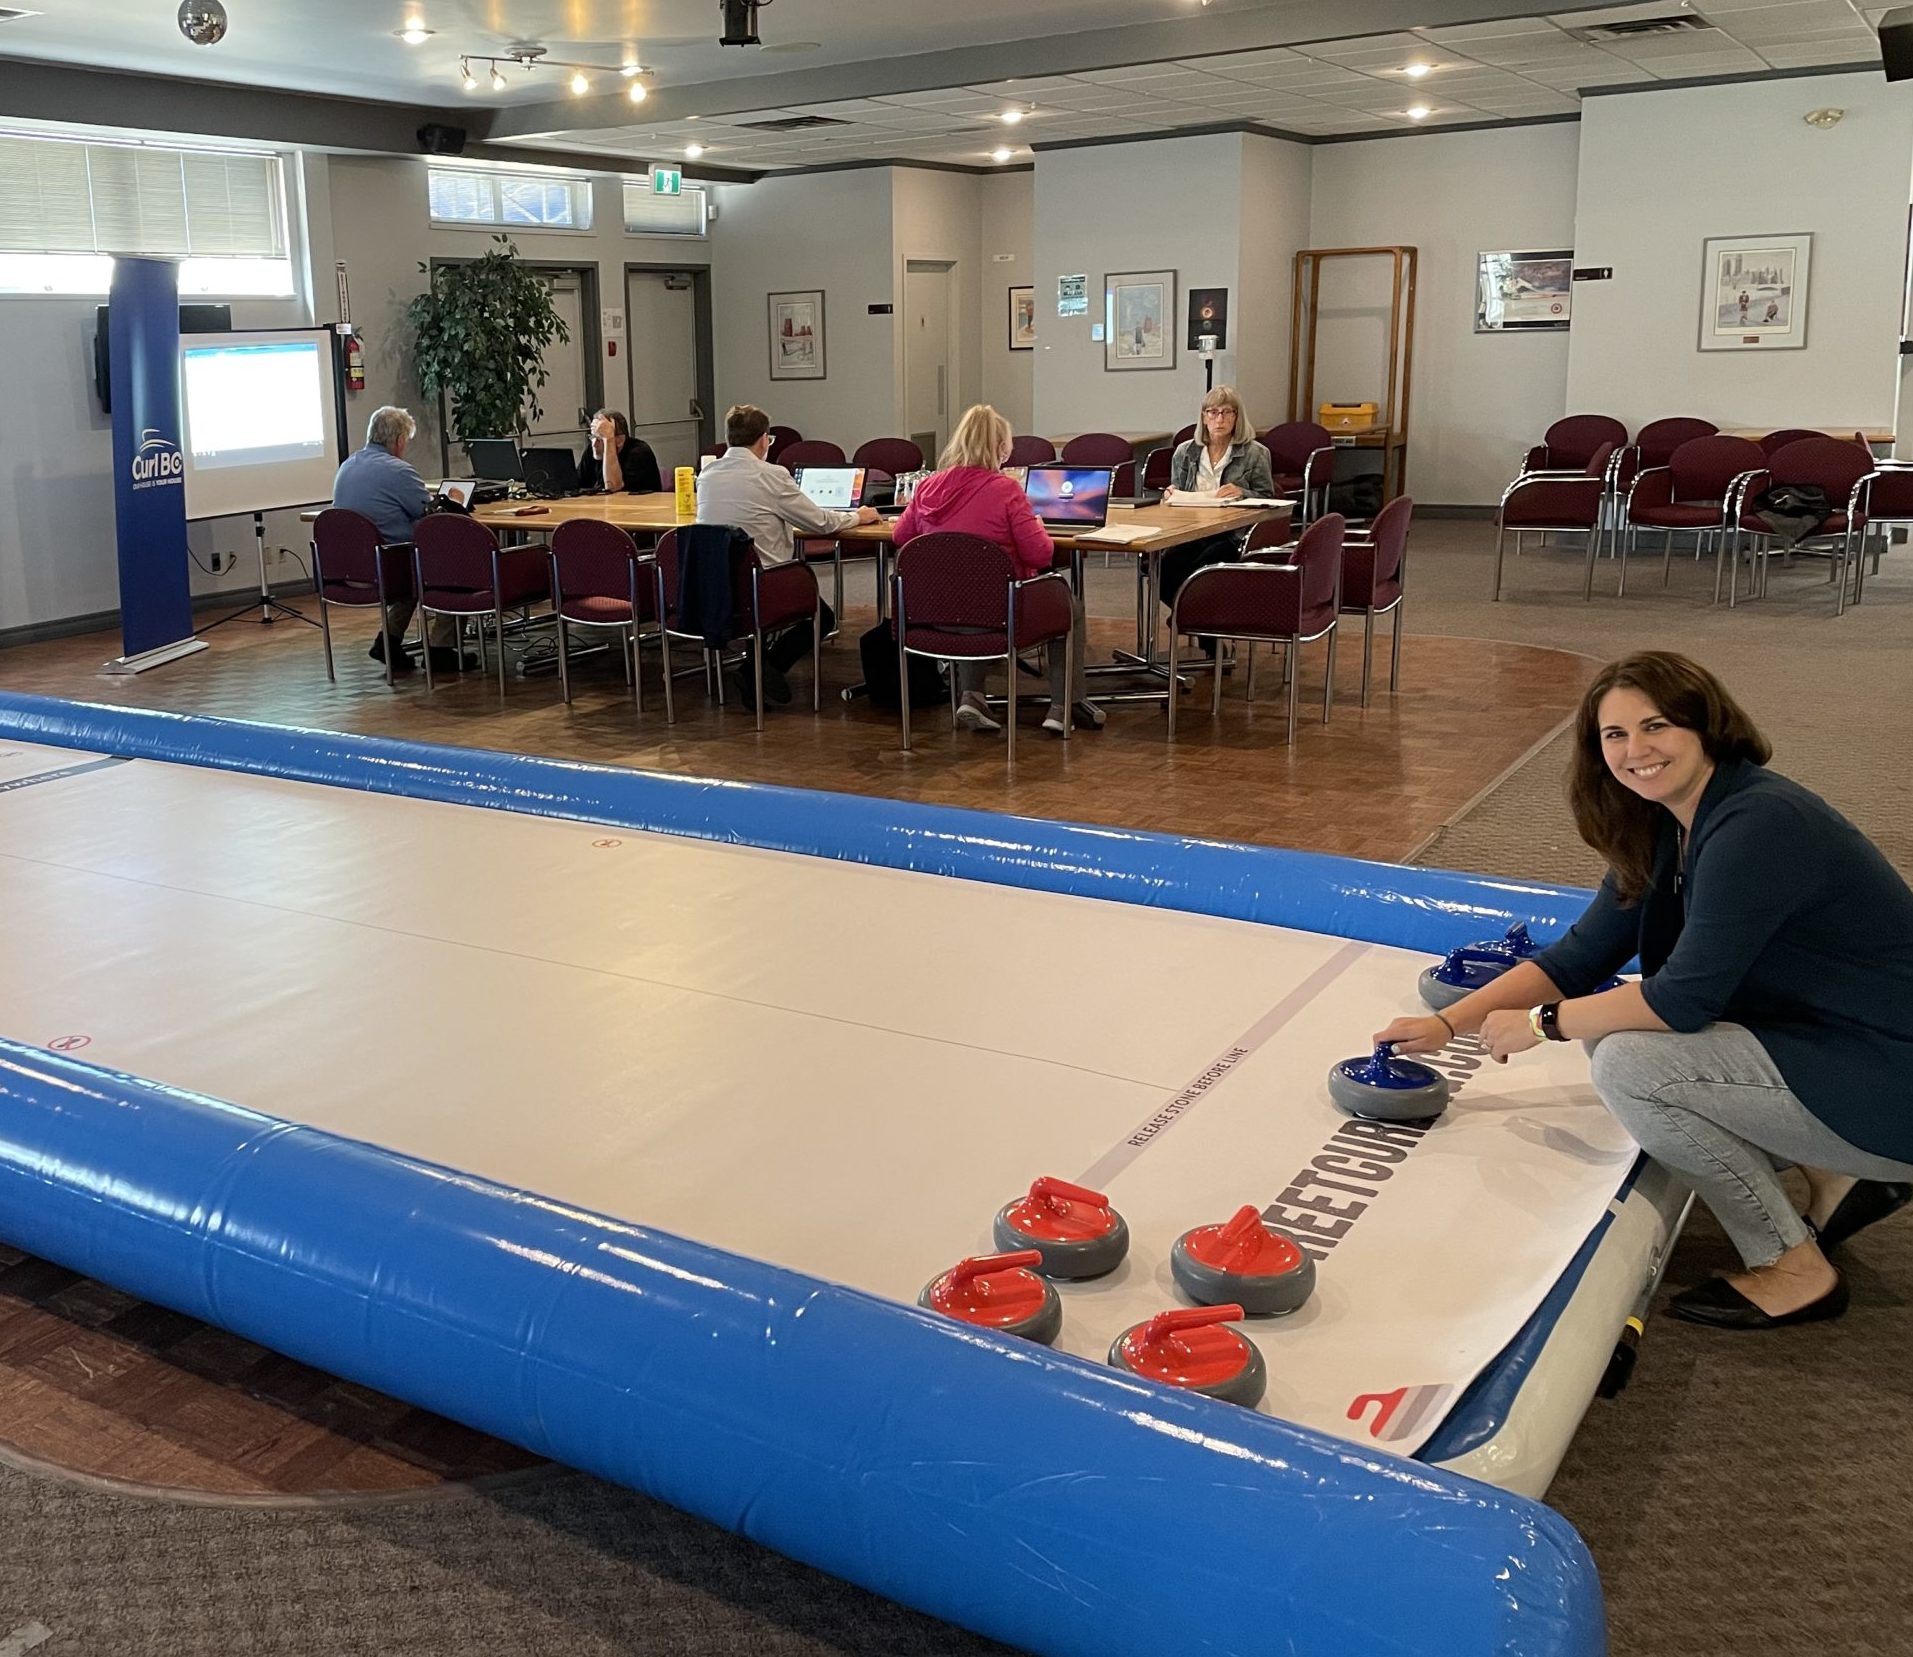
(744, 490)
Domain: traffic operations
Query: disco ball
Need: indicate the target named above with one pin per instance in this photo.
(203, 22)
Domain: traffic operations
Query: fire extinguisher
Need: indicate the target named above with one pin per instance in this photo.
(354, 363)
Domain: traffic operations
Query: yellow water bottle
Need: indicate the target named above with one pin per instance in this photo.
(687, 494)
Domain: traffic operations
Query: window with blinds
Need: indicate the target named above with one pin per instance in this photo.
(66, 196)
(470, 196)
(649, 214)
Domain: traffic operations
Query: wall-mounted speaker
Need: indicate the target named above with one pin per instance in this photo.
(434, 139)
(1896, 43)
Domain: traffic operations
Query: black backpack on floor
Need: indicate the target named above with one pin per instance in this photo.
(878, 651)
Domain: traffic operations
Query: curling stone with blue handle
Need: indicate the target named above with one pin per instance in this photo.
(1387, 1088)
(1463, 971)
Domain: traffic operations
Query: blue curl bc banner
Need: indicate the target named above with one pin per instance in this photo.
(149, 472)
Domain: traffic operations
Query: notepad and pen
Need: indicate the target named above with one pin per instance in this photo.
(1120, 535)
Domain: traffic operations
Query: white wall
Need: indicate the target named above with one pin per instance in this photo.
(1477, 400)
(1276, 190)
(1159, 204)
(822, 230)
(1661, 171)
(937, 216)
(1007, 202)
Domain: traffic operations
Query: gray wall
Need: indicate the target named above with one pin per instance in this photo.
(1007, 202)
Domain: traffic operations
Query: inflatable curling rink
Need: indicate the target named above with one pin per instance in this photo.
(626, 1116)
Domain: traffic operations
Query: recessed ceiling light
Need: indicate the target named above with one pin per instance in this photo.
(1415, 71)
(630, 69)
(693, 151)
(637, 94)
(415, 34)
(1001, 153)
(1010, 117)
(1419, 112)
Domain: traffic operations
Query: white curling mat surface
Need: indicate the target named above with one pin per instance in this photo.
(841, 1069)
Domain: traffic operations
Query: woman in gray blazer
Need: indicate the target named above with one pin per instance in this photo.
(1223, 458)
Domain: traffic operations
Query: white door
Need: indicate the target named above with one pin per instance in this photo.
(929, 293)
(564, 419)
(661, 312)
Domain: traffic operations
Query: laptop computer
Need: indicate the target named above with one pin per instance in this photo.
(550, 471)
(1070, 497)
(495, 458)
(838, 488)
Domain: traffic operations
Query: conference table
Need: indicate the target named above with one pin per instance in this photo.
(1169, 526)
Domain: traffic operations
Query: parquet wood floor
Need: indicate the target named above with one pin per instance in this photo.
(98, 1383)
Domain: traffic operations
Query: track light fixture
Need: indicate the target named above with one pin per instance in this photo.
(529, 57)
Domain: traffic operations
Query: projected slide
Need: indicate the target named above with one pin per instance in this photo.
(249, 405)
(262, 420)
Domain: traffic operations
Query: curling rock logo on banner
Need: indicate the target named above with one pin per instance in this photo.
(157, 461)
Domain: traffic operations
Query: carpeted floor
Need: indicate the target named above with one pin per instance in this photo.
(1748, 1495)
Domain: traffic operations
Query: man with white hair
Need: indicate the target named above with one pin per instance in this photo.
(380, 484)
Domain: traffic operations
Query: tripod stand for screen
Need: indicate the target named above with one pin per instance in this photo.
(265, 609)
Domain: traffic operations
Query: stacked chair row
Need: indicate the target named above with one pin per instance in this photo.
(1708, 485)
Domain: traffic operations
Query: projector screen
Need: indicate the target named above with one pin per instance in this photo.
(262, 420)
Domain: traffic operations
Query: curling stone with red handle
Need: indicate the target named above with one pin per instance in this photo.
(1078, 1234)
(1387, 1088)
(1000, 1292)
(1191, 1348)
(1246, 1262)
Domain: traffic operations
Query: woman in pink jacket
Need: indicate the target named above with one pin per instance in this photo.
(969, 495)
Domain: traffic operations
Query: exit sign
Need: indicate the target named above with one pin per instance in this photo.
(667, 181)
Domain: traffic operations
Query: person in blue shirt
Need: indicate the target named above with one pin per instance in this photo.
(1772, 1024)
(379, 483)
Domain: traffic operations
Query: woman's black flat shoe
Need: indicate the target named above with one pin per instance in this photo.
(1719, 1304)
(1869, 1200)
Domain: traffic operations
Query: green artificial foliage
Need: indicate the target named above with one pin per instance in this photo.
(479, 337)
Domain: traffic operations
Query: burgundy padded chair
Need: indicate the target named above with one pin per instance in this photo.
(809, 451)
(1774, 442)
(1098, 449)
(1155, 470)
(1266, 537)
(1182, 436)
(1373, 575)
(1654, 444)
(1555, 503)
(892, 456)
(781, 438)
(599, 578)
(765, 599)
(459, 569)
(1288, 604)
(1686, 494)
(1302, 455)
(958, 597)
(1570, 443)
(353, 568)
(1886, 506)
(1031, 451)
(1837, 465)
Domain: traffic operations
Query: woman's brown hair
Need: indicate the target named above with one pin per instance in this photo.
(1612, 818)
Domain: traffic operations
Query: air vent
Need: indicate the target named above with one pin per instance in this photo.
(1643, 28)
(790, 123)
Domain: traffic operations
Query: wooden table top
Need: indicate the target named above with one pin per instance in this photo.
(1876, 436)
(1176, 525)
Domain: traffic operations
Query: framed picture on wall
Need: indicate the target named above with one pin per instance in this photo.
(1524, 292)
(1753, 292)
(1138, 307)
(1022, 319)
(797, 335)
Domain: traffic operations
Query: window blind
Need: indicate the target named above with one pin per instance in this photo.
(648, 214)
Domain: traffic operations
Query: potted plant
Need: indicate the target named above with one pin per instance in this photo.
(479, 339)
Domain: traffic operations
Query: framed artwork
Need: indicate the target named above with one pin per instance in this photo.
(1022, 319)
(1208, 314)
(1523, 293)
(1137, 306)
(797, 335)
(1753, 292)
